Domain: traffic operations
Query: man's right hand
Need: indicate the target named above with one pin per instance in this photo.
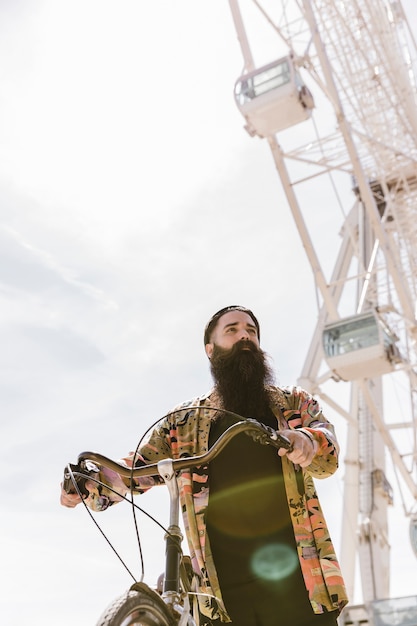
(99, 498)
(71, 493)
(71, 500)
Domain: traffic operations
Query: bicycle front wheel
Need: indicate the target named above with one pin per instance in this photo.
(140, 606)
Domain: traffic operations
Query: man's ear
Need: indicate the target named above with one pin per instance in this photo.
(209, 349)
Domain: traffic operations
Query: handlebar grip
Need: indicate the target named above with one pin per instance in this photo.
(268, 436)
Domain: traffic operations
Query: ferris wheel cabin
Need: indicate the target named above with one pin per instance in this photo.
(360, 347)
(273, 98)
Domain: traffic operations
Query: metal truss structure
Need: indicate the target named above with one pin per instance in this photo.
(335, 99)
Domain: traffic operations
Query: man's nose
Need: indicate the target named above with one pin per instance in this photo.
(244, 335)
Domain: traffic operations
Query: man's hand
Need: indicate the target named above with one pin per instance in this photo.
(71, 500)
(303, 448)
(99, 498)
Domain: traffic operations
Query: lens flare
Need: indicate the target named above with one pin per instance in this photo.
(274, 562)
(232, 514)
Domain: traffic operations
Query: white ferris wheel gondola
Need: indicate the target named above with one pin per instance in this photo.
(273, 97)
(360, 346)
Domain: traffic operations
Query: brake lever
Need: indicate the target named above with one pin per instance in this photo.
(80, 473)
(269, 437)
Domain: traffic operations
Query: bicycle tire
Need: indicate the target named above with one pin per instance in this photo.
(140, 606)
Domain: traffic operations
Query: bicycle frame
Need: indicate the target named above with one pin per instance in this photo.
(167, 469)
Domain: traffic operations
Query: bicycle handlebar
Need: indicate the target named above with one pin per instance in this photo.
(260, 432)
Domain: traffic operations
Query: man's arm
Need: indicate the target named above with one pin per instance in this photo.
(113, 487)
(313, 437)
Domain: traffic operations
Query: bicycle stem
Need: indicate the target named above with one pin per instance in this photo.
(173, 537)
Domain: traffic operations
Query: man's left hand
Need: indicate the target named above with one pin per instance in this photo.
(303, 448)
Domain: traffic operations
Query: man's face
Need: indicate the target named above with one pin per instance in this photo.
(232, 327)
(239, 367)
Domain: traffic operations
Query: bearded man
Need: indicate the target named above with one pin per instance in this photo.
(258, 539)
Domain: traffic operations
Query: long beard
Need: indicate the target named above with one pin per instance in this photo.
(241, 376)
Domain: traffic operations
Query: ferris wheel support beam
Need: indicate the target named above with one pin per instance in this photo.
(242, 37)
(349, 531)
(314, 358)
(336, 407)
(302, 229)
(365, 191)
(375, 495)
(382, 428)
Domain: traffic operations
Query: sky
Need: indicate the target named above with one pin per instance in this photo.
(133, 205)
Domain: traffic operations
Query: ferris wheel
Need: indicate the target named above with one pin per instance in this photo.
(338, 107)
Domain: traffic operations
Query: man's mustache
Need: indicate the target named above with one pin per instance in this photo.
(241, 345)
(245, 345)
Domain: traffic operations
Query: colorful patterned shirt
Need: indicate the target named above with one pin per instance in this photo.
(185, 432)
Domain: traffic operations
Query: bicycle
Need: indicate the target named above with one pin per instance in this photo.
(170, 605)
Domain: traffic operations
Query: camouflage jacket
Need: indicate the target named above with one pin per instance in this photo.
(185, 432)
